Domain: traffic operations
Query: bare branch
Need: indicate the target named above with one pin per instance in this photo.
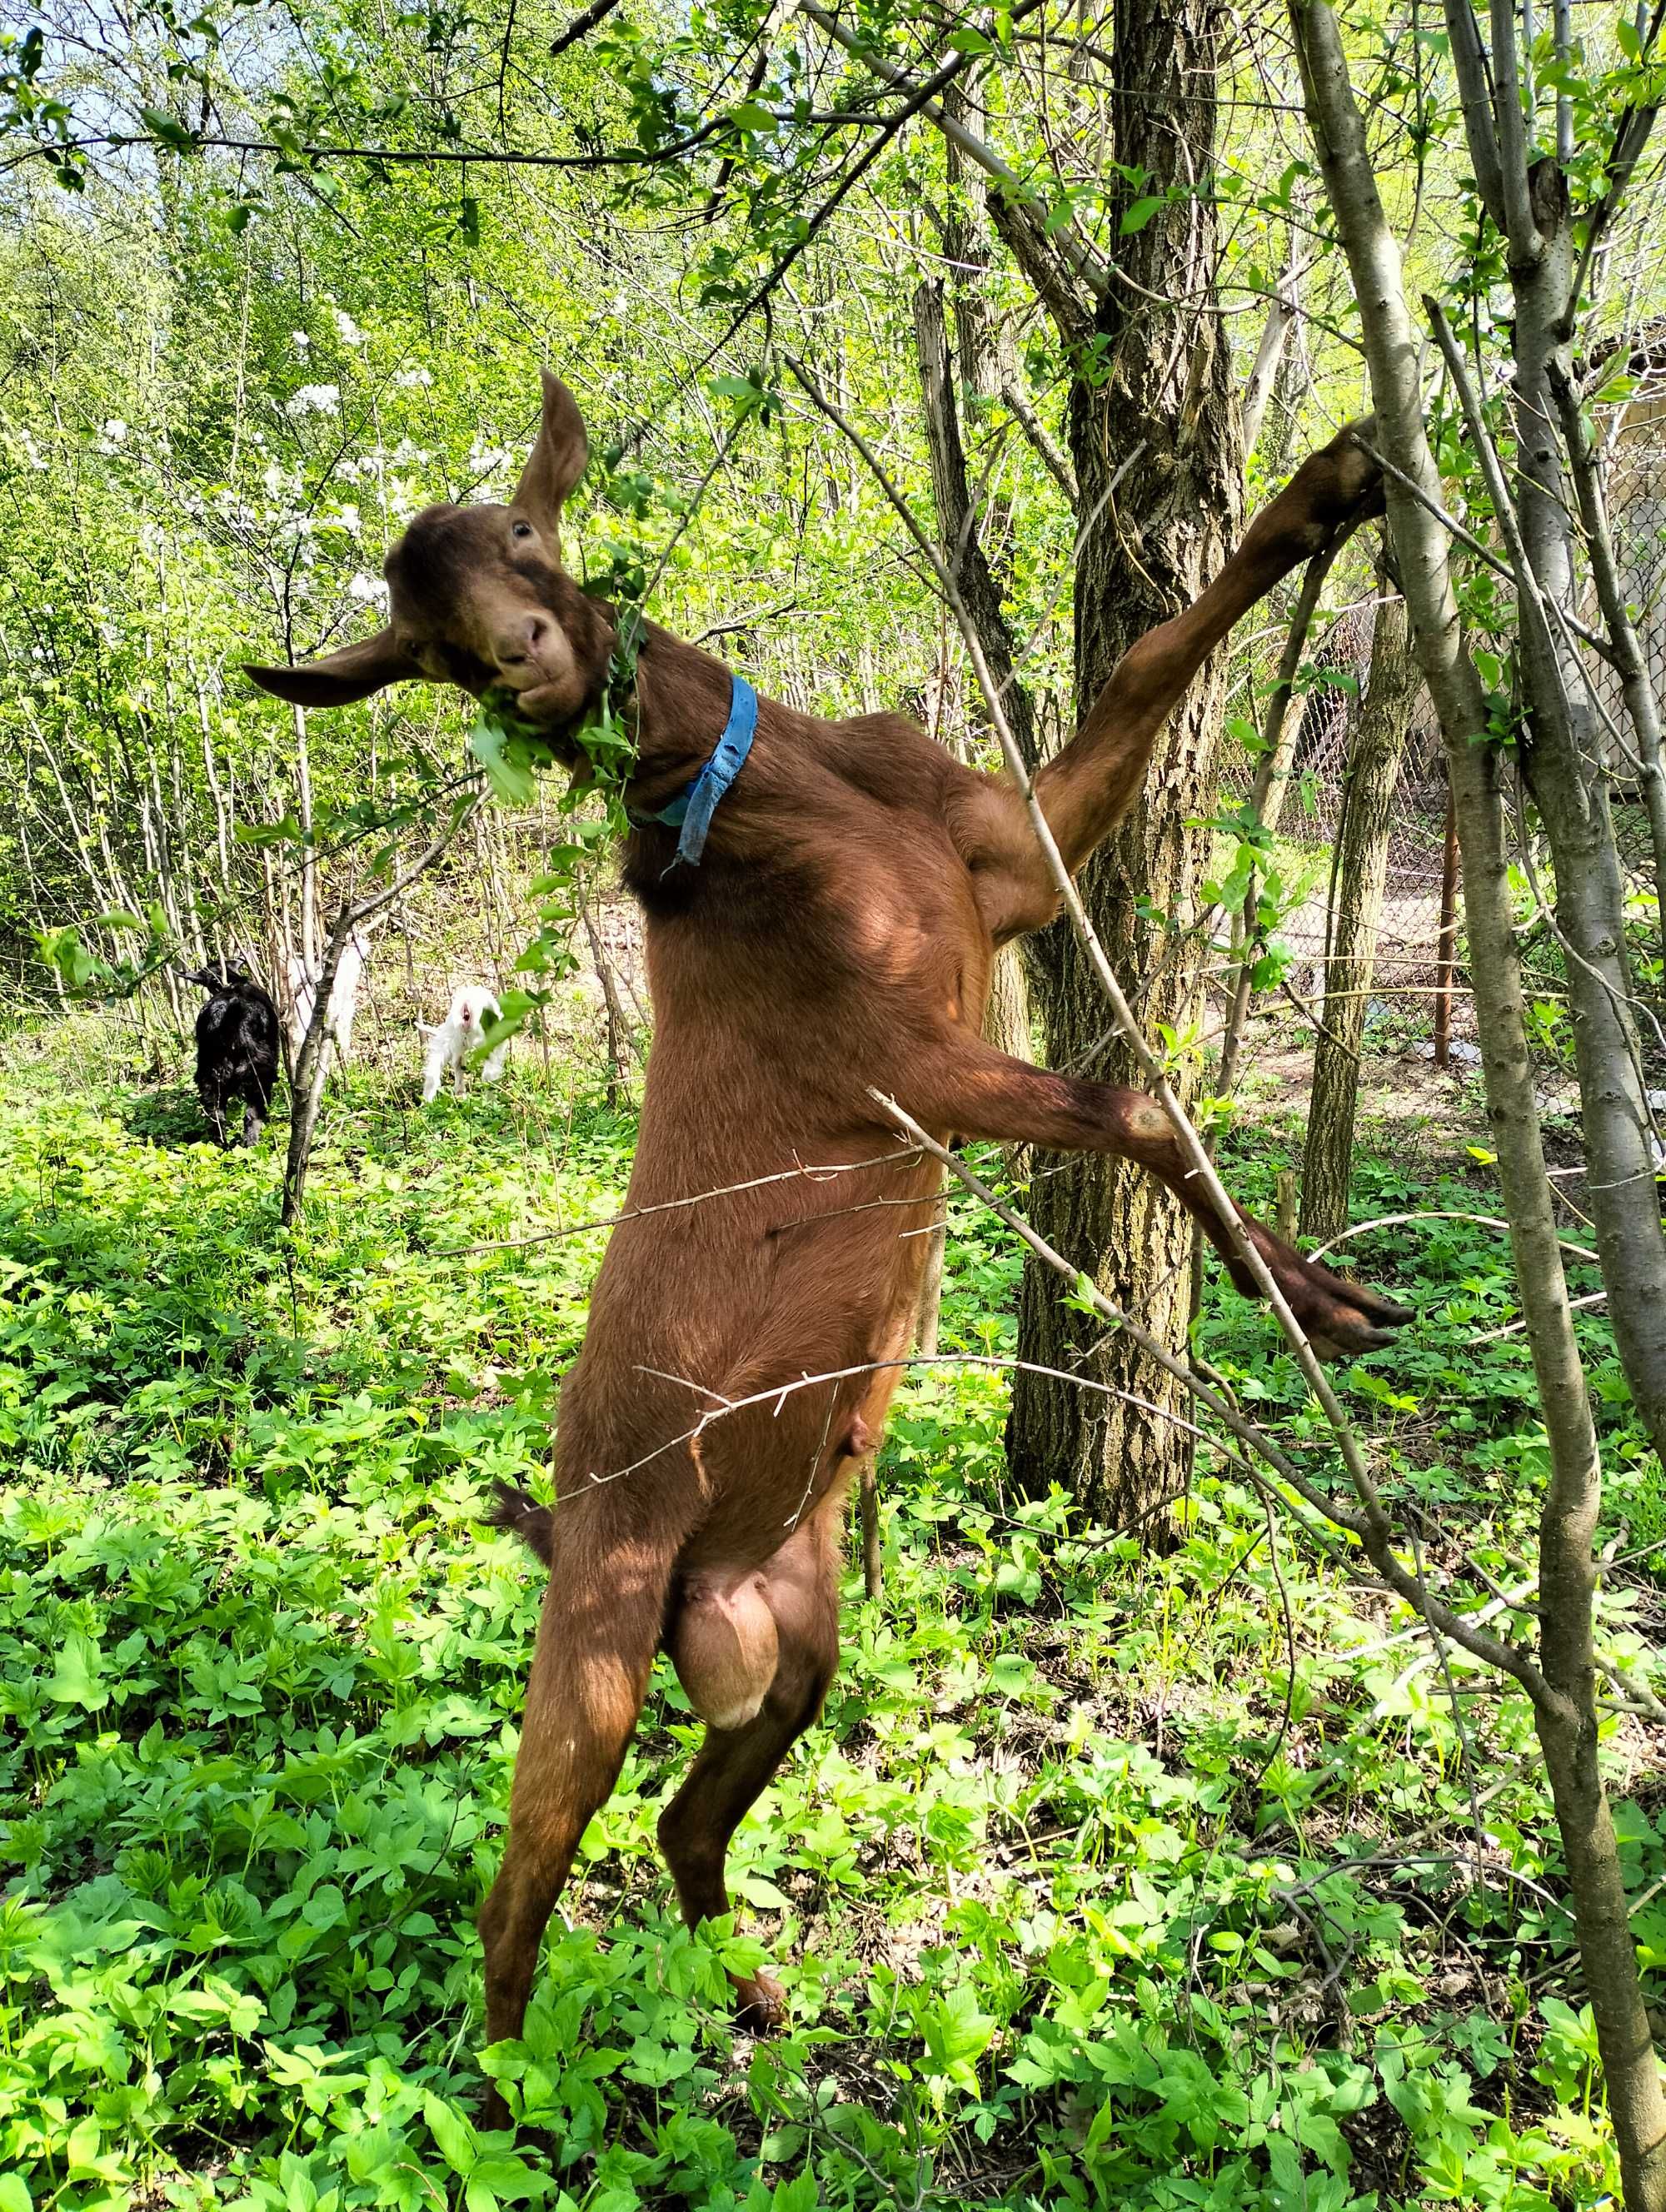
(1042, 439)
(1526, 247)
(1475, 91)
(1073, 247)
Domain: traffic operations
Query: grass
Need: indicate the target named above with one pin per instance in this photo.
(1109, 1878)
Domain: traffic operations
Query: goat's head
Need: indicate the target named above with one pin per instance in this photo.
(223, 979)
(477, 597)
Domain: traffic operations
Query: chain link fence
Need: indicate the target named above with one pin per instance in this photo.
(1419, 997)
(1419, 1003)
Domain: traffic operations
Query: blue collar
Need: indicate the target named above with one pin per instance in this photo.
(692, 809)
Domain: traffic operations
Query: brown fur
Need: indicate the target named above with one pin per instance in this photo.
(837, 934)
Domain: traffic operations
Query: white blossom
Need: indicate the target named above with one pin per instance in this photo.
(300, 340)
(346, 329)
(366, 591)
(314, 399)
(412, 379)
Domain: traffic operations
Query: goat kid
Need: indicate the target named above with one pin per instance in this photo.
(461, 1031)
(836, 933)
(302, 979)
(237, 1049)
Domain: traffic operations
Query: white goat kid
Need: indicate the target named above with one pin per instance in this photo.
(343, 996)
(463, 1029)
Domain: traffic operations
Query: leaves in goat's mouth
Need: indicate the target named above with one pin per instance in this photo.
(508, 747)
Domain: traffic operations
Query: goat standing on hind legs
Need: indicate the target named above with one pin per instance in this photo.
(827, 927)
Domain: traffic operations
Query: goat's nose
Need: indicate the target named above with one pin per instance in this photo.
(523, 641)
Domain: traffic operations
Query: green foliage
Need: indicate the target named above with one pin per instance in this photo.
(260, 1670)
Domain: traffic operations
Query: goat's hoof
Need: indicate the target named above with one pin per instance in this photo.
(760, 2003)
(1343, 1318)
(1346, 484)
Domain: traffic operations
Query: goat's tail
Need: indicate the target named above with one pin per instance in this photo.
(519, 1512)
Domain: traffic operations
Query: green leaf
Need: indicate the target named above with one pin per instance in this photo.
(504, 759)
(1140, 214)
(79, 1678)
(457, 2143)
(169, 130)
(956, 2032)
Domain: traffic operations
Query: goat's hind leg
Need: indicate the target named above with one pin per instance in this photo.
(755, 1654)
(215, 1108)
(602, 1615)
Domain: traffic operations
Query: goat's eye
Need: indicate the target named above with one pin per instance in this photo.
(520, 530)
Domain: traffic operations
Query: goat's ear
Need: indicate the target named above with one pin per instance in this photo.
(558, 460)
(336, 679)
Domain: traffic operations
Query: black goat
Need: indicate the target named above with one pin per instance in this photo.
(237, 1049)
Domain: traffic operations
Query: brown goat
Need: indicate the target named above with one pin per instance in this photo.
(837, 934)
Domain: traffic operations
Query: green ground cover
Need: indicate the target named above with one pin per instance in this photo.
(1108, 1879)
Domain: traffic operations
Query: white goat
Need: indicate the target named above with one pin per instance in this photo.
(463, 1029)
(343, 996)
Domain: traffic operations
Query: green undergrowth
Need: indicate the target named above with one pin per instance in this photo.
(1108, 1878)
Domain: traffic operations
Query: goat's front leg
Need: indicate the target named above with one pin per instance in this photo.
(980, 1093)
(1086, 788)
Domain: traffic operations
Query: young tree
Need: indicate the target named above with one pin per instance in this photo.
(1361, 863)
(1562, 1685)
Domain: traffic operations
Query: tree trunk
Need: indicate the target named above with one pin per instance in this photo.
(929, 1317)
(1362, 859)
(1165, 413)
(1566, 1716)
(1565, 768)
(959, 534)
(981, 581)
(617, 1088)
(1006, 1015)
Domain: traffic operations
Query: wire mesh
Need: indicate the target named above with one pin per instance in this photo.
(1408, 981)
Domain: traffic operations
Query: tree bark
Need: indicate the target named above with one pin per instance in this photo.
(1006, 1015)
(1565, 770)
(1564, 1708)
(616, 1088)
(306, 1076)
(1164, 410)
(1362, 860)
(1268, 363)
(959, 538)
(982, 583)
(930, 1314)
